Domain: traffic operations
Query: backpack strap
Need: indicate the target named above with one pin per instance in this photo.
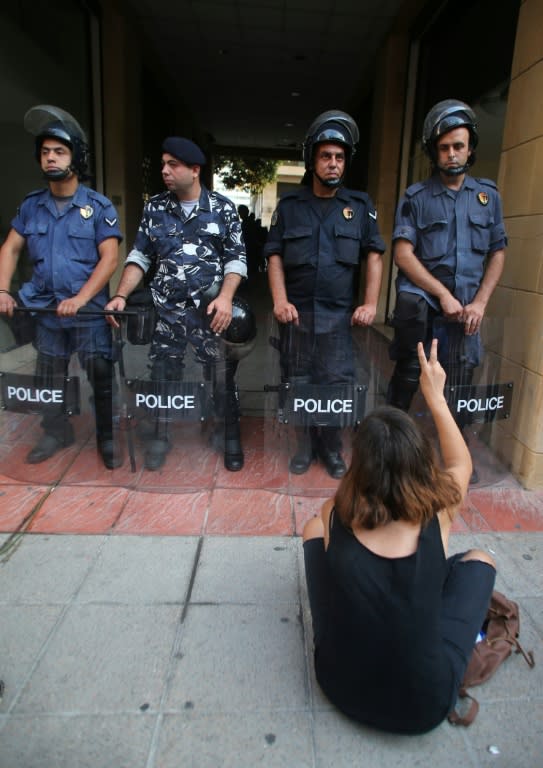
(455, 718)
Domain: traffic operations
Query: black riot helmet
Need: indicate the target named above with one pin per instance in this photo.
(240, 336)
(333, 126)
(445, 116)
(46, 121)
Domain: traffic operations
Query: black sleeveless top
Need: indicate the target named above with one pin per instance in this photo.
(382, 659)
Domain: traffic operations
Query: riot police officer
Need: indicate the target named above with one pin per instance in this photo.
(318, 237)
(449, 246)
(72, 235)
(190, 238)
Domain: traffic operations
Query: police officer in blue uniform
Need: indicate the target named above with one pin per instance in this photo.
(72, 235)
(318, 237)
(191, 240)
(449, 247)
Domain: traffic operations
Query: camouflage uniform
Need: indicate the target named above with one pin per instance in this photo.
(190, 256)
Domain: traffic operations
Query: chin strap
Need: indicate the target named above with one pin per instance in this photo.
(330, 182)
(453, 171)
(58, 175)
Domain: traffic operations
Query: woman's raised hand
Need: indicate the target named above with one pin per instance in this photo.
(432, 375)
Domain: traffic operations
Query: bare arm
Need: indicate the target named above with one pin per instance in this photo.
(456, 457)
(283, 310)
(365, 314)
(406, 260)
(474, 311)
(9, 256)
(108, 251)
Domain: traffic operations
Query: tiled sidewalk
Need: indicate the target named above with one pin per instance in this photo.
(194, 495)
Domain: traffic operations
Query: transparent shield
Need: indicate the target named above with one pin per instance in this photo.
(277, 412)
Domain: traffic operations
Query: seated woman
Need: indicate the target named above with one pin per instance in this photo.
(395, 619)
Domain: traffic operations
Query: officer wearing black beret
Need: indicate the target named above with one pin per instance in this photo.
(190, 239)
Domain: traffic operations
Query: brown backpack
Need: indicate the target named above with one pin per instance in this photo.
(500, 637)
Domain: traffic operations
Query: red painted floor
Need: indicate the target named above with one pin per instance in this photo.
(193, 494)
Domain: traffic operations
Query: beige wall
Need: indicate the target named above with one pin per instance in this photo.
(519, 298)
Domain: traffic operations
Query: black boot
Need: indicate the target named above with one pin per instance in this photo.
(329, 450)
(49, 443)
(305, 453)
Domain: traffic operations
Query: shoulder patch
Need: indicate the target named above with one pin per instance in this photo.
(487, 183)
(414, 189)
(358, 195)
(35, 192)
(274, 215)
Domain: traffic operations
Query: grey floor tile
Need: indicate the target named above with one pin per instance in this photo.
(514, 727)
(141, 569)
(103, 659)
(115, 741)
(239, 658)
(345, 744)
(247, 570)
(24, 630)
(268, 739)
(519, 562)
(47, 569)
(533, 606)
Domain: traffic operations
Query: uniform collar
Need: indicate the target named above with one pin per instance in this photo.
(438, 188)
(204, 204)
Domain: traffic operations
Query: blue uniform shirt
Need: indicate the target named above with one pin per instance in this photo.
(63, 246)
(322, 242)
(190, 253)
(452, 233)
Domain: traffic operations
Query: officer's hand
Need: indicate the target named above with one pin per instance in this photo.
(70, 307)
(220, 313)
(452, 309)
(364, 315)
(286, 313)
(117, 304)
(7, 304)
(472, 318)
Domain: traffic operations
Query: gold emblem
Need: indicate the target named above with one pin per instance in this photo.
(86, 212)
(348, 213)
(482, 197)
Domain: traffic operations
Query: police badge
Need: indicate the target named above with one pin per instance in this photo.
(86, 212)
(348, 213)
(482, 197)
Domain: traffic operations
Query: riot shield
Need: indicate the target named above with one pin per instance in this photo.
(279, 399)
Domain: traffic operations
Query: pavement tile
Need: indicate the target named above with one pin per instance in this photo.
(164, 514)
(239, 659)
(250, 570)
(87, 510)
(25, 629)
(249, 513)
(46, 570)
(101, 659)
(16, 503)
(262, 738)
(344, 744)
(140, 570)
(108, 741)
(508, 509)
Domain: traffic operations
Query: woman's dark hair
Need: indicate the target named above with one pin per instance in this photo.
(394, 474)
